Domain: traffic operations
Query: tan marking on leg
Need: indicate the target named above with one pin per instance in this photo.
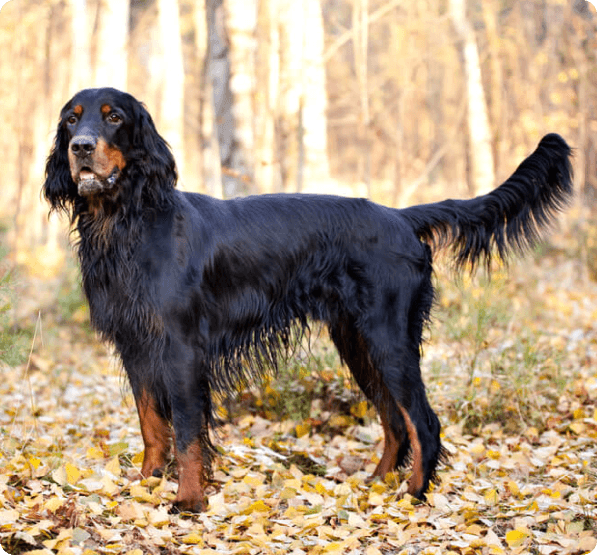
(190, 495)
(391, 448)
(156, 436)
(416, 481)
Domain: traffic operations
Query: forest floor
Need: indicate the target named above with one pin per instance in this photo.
(510, 368)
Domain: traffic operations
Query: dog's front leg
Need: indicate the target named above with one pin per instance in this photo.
(156, 435)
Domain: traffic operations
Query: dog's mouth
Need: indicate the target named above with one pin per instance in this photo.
(90, 183)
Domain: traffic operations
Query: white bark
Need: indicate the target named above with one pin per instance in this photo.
(303, 101)
(480, 137)
(241, 23)
(172, 82)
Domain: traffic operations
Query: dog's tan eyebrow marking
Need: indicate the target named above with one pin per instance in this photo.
(106, 109)
(78, 110)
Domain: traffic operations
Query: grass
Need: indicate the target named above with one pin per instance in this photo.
(13, 342)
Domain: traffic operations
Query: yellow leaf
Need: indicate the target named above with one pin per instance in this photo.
(94, 453)
(287, 493)
(478, 450)
(320, 489)
(193, 538)
(295, 484)
(9, 516)
(578, 413)
(375, 499)
(108, 486)
(253, 481)
(130, 511)
(491, 497)
(159, 517)
(360, 409)
(577, 427)
(113, 466)
(516, 537)
(52, 504)
(34, 462)
(337, 547)
(72, 473)
(141, 493)
(302, 429)
(257, 506)
(59, 476)
(513, 488)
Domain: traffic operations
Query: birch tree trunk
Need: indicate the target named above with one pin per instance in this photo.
(208, 131)
(267, 167)
(480, 137)
(172, 83)
(219, 75)
(303, 102)
(110, 68)
(241, 23)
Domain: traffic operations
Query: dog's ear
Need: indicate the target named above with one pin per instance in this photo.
(157, 161)
(59, 188)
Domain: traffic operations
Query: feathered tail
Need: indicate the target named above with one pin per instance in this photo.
(510, 218)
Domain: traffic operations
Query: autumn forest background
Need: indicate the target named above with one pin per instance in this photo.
(401, 102)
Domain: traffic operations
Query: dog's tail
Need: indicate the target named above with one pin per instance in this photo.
(510, 218)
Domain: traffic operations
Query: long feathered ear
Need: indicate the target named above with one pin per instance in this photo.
(59, 188)
(155, 159)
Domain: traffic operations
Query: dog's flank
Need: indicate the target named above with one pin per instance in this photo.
(199, 295)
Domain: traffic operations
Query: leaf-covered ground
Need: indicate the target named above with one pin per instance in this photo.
(510, 367)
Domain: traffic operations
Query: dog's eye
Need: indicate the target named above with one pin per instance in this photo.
(114, 118)
(72, 119)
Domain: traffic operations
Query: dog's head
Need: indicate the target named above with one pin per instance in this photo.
(106, 140)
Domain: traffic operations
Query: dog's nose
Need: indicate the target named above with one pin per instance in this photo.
(83, 145)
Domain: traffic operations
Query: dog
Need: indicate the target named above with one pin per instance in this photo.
(200, 295)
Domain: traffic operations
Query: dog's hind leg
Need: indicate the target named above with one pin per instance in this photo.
(402, 376)
(156, 435)
(353, 351)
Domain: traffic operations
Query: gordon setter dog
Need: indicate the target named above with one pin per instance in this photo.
(200, 295)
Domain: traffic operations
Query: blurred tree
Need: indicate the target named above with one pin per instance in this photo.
(109, 49)
(480, 146)
(241, 25)
(302, 121)
(208, 129)
(267, 71)
(170, 82)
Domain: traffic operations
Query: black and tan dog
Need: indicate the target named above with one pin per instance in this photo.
(196, 293)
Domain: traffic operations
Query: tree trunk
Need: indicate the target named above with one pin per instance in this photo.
(303, 101)
(241, 24)
(110, 67)
(172, 82)
(208, 131)
(219, 72)
(480, 137)
(267, 167)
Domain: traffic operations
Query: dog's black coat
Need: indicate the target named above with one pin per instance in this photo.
(189, 288)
